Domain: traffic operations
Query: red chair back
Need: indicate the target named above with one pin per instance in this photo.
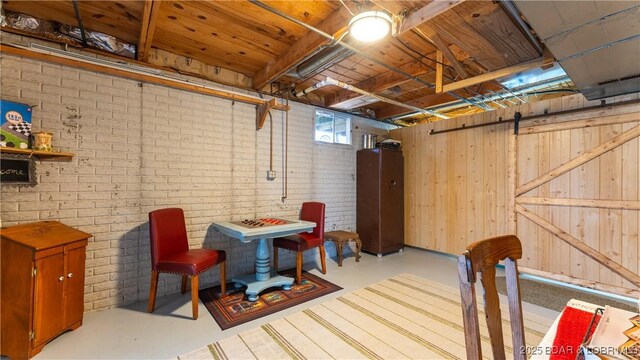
(168, 233)
(314, 211)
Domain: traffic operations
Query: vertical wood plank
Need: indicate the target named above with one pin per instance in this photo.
(610, 219)
(630, 190)
(441, 189)
(591, 185)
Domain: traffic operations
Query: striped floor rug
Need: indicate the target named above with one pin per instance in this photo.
(404, 317)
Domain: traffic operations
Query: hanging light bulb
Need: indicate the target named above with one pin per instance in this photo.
(370, 26)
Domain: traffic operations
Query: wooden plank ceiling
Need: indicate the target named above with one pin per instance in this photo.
(476, 37)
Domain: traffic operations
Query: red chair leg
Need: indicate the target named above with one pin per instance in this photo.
(223, 279)
(183, 288)
(299, 267)
(152, 291)
(323, 261)
(194, 296)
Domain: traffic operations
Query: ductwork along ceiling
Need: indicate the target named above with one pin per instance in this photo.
(597, 43)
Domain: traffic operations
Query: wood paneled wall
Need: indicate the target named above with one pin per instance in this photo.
(463, 186)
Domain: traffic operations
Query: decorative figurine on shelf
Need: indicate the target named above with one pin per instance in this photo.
(15, 124)
(42, 141)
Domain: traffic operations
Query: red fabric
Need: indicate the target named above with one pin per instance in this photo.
(311, 211)
(190, 262)
(314, 211)
(572, 327)
(170, 246)
(168, 233)
(298, 242)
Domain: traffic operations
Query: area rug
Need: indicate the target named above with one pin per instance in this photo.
(404, 317)
(235, 309)
(556, 297)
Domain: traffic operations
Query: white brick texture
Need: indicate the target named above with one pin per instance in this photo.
(141, 147)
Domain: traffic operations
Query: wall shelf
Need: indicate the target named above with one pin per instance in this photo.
(41, 154)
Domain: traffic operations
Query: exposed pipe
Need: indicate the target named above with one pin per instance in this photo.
(496, 96)
(76, 9)
(512, 10)
(286, 155)
(330, 81)
(361, 53)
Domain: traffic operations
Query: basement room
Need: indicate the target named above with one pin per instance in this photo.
(328, 179)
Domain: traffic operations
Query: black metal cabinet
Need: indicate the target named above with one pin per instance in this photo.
(380, 200)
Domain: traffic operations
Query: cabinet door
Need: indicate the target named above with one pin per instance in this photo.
(48, 318)
(74, 286)
(367, 199)
(392, 201)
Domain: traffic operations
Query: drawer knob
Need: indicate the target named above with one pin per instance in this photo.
(61, 278)
(70, 275)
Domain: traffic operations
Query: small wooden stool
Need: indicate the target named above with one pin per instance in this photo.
(339, 238)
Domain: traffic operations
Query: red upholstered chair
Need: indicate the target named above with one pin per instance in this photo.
(170, 253)
(311, 211)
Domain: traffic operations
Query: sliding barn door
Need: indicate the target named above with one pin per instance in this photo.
(577, 195)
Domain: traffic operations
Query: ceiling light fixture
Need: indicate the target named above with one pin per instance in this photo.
(370, 26)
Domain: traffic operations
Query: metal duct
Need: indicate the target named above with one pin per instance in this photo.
(597, 43)
(321, 61)
(334, 82)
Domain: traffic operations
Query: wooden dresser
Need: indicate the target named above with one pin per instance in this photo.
(42, 285)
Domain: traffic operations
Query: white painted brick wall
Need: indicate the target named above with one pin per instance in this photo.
(141, 147)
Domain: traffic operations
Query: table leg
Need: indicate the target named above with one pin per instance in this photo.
(263, 261)
(262, 279)
(339, 251)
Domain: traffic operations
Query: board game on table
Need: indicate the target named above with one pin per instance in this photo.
(261, 222)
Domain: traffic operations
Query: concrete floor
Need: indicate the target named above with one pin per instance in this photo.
(132, 333)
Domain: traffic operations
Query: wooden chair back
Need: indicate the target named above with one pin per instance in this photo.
(482, 257)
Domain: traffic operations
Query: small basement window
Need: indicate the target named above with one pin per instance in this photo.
(333, 127)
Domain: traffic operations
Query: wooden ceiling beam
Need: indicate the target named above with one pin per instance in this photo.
(148, 28)
(379, 83)
(494, 75)
(424, 14)
(304, 47)
(439, 71)
(188, 66)
(433, 37)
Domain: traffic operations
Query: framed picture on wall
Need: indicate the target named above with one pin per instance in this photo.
(17, 170)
